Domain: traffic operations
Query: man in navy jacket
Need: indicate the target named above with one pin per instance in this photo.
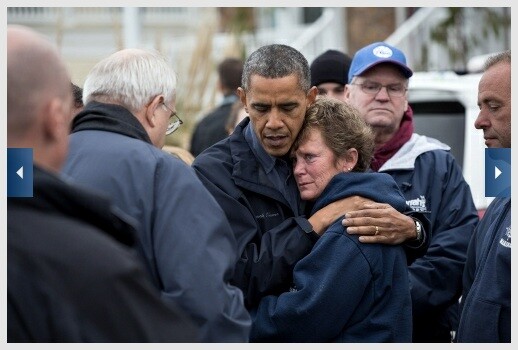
(183, 235)
(486, 298)
(430, 179)
(250, 176)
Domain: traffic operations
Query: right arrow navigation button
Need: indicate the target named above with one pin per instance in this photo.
(498, 172)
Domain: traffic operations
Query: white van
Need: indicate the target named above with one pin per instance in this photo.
(445, 107)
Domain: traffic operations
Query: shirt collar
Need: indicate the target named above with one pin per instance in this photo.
(266, 160)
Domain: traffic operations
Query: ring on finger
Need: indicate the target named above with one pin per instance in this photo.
(377, 231)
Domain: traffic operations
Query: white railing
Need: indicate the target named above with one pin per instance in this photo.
(70, 16)
(413, 38)
(30, 15)
(423, 54)
(325, 33)
(94, 16)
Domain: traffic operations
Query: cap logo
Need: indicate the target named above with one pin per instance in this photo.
(382, 52)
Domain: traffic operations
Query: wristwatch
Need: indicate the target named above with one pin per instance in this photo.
(418, 230)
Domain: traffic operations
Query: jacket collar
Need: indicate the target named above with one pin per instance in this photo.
(54, 195)
(109, 117)
(247, 171)
(376, 186)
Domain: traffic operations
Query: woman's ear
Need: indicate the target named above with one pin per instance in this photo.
(351, 158)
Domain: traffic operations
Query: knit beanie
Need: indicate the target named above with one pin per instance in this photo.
(330, 67)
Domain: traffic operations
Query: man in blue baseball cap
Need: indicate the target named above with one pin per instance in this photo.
(377, 53)
(430, 179)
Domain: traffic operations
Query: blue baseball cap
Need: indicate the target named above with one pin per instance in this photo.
(377, 53)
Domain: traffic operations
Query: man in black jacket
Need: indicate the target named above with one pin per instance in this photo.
(72, 274)
(211, 128)
(250, 176)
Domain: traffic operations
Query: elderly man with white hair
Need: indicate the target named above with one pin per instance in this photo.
(184, 238)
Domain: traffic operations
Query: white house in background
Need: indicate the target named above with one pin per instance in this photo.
(89, 33)
(444, 102)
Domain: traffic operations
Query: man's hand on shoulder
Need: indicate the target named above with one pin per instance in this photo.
(380, 223)
(330, 213)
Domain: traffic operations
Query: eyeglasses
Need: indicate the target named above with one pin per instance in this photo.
(174, 121)
(372, 88)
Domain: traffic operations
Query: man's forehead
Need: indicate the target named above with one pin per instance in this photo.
(258, 77)
(383, 69)
(496, 79)
(269, 99)
(287, 85)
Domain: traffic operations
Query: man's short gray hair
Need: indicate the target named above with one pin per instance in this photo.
(131, 78)
(276, 61)
(497, 58)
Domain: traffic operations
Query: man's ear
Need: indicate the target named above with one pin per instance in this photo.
(312, 95)
(55, 120)
(151, 108)
(242, 97)
(347, 92)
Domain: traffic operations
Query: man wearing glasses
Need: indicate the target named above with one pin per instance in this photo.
(183, 235)
(174, 121)
(428, 176)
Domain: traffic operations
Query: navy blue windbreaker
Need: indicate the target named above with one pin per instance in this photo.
(432, 182)
(343, 290)
(271, 235)
(486, 300)
(186, 242)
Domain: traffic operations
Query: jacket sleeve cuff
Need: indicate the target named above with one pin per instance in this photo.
(417, 243)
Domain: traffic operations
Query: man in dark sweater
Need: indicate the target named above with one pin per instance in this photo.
(72, 273)
(211, 128)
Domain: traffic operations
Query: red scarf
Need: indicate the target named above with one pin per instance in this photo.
(385, 152)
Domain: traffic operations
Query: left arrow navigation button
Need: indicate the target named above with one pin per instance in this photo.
(20, 172)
